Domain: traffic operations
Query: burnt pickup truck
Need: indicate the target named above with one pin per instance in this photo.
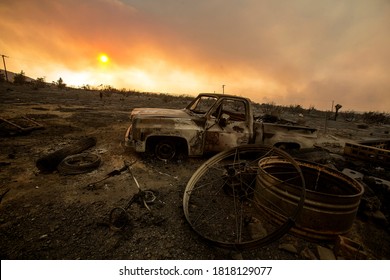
(211, 123)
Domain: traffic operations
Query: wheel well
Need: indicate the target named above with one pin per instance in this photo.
(180, 142)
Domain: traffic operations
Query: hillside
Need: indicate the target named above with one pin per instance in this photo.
(11, 76)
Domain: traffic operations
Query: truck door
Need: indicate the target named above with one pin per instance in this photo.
(228, 125)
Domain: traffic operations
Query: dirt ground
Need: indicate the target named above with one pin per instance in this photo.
(54, 216)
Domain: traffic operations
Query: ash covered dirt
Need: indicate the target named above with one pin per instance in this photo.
(54, 216)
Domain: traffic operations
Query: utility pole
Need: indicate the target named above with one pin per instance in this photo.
(5, 68)
(223, 89)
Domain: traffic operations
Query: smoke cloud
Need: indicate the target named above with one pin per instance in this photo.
(285, 52)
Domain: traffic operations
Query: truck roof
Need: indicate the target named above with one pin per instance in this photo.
(219, 95)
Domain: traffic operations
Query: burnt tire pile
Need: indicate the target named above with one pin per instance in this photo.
(71, 159)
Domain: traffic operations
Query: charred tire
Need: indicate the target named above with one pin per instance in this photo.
(165, 149)
(78, 164)
(50, 162)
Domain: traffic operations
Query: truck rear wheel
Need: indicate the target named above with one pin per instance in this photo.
(165, 149)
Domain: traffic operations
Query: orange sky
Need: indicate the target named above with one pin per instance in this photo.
(286, 52)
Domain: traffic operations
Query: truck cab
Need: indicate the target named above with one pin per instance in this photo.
(228, 121)
(210, 123)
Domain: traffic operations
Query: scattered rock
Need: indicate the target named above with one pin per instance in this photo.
(308, 254)
(256, 229)
(369, 205)
(381, 183)
(236, 256)
(349, 249)
(369, 201)
(379, 218)
(325, 253)
(288, 247)
(43, 236)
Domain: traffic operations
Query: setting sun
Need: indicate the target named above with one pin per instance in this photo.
(103, 58)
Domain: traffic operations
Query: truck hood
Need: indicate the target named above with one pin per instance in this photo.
(159, 113)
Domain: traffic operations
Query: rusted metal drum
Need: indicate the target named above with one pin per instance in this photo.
(331, 204)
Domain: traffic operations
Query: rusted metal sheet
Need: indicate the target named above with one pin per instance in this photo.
(377, 151)
(233, 134)
(273, 133)
(331, 204)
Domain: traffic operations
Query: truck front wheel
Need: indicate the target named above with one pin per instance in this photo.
(165, 149)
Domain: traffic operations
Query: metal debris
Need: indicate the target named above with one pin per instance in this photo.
(18, 126)
(331, 204)
(119, 216)
(377, 151)
(113, 173)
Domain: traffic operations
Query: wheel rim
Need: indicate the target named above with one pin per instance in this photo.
(79, 163)
(220, 202)
(165, 151)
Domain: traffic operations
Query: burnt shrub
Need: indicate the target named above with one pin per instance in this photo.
(20, 79)
(39, 83)
(376, 118)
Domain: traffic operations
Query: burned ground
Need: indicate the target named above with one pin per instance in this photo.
(55, 216)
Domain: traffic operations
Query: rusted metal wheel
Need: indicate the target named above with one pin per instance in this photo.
(220, 200)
